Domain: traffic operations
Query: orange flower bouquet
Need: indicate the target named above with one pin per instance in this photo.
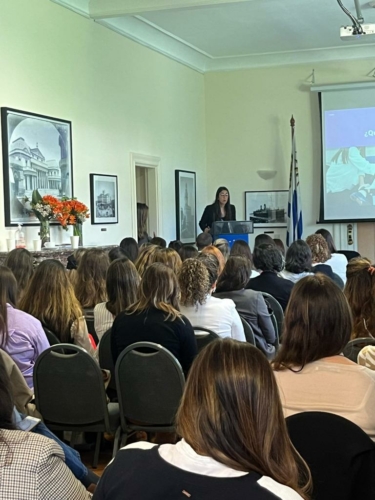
(73, 213)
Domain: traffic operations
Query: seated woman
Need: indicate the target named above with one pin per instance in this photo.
(320, 255)
(212, 250)
(21, 262)
(145, 258)
(130, 246)
(268, 259)
(169, 257)
(155, 317)
(197, 279)
(50, 298)
(298, 262)
(360, 293)
(89, 287)
(116, 253)
(241, 249)
(122, 289)
(234, 445)
(310, 370)
(223, 245)
(337, 261)
(249, 304)
(33, 466)
(22, 336)
(188, 252)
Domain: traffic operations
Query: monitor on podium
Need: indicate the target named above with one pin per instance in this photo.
(232, 230)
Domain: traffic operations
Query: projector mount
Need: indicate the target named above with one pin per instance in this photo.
(357, 27)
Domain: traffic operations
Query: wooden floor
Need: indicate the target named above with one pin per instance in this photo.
(104, 458)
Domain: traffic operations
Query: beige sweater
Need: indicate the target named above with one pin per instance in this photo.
(346, 390)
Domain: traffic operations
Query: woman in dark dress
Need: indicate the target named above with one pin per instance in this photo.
(220, 210)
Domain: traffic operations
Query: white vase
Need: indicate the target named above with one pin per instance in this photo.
(74, 241)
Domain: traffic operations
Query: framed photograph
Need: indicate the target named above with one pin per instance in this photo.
(37, 154)
(104, 199)
(186, 207)
(267, 208)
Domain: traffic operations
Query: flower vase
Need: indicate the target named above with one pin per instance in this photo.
(44, 232)
(77, 231)
(77, 234)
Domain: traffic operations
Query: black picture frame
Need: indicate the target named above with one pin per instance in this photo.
(273, 202)
(37, 154)
(186, 206)
(104, 205)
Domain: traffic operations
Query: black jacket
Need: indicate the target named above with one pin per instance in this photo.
(209, 216)
(270, 282)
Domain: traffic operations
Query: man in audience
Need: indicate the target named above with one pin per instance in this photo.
(203, 240)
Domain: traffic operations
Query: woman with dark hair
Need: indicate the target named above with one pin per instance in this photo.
(263, 239)
(131, 248)
(242, 249)
(176, 245)
(235, 443)
(298, 261)
(142, 216)
(122, 284)
(32, 466)
(116, 253)
(337, 261)
(21, 263)
(156, 317)
(21, 335)
(249, 304)
(268, 260)
(220, 210)
(188, 252)
(310, 370)
(89, 286)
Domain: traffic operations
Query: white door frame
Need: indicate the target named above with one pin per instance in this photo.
(146, 161)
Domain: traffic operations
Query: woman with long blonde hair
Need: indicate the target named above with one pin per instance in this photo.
(155, 317)
(89, 286)
(169, 257)
(50, 298)
(145, 258)
(234, 443)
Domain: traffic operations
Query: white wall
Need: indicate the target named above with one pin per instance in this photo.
(120, 96)
(248, 128)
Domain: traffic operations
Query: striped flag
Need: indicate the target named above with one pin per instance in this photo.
(295, 224)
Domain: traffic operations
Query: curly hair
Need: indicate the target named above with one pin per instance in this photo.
(194, 282)
(319, 248)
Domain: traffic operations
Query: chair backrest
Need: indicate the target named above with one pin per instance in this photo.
(89, 318)
(341, 457)
(51, 337)
(249, 334)
(105, 357)
(353, 347)
(149, 382)
(69, 388)
(204, 336)
(278, 313)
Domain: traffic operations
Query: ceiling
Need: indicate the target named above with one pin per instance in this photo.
(214, 35)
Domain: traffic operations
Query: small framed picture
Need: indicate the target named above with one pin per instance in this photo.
(186, 209)
(267, 208)
(104, 199)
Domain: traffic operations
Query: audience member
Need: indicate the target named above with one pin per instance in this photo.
(268, 259)
(160, 242)
(234, 439)
(176, 245)
(241, 249)
(33, 466)
(311, 372)
(197, 279)
(21, 263)
(89, 286)
(130, 246)
(337, 261)
(122, 290)
(249, 304)
(155, 317)
(169, 257)
(145, 258)
(203, 240)
(360, 293)
(280, 246)
(116, 253)
(320, 255)
(22, 336)
(188, 252)
(212, 250)
(223, 245)
(298, 261)
(73, 262)
(263, 239)
(142, 217)
(50, 298)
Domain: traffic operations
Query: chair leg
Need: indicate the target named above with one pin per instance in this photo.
(116, 441)
(97, 450)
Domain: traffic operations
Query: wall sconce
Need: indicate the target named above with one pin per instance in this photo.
(267, 174)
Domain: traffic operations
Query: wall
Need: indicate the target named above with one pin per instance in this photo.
(248, 128)
(120, 96)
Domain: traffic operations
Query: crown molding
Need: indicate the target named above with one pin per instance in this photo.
(80, 7)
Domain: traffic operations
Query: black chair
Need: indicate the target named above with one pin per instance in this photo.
(149, 382)
(51, 337)
(89, 318)
(106, 359)
(277, 316)
(353, 347)
(340, 455)
(349, 254)
(204, 338)
(70, 394)
(249, 334)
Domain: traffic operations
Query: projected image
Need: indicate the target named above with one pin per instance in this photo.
(349, 184)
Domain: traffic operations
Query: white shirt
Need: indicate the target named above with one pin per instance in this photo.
(338, 263)
(218, 315)
(103, 319)
(183, 456)
(294, 277)
(342, 176)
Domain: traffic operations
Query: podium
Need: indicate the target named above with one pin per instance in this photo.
(232, 230)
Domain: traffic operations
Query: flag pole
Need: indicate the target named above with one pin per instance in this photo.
(292, 122)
